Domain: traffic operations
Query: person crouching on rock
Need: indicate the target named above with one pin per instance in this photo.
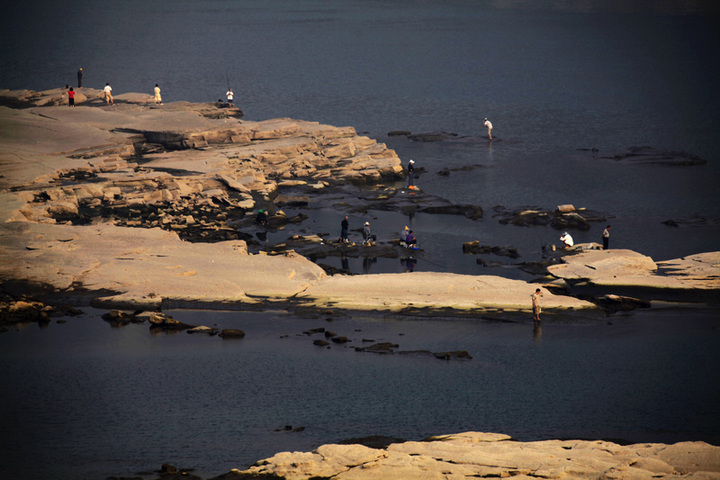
(410, 239)
(567, 240)
(261, 218)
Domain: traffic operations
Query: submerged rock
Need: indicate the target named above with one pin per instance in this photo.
(565, 217)
(474, 248)
(654, 156)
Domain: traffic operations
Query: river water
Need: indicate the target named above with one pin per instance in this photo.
(83, 400)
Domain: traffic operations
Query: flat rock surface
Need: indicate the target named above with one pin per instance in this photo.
(431, 290)
(629, 268)
(489, 455)
(146, 267)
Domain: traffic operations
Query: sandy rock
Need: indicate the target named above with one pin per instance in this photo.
(625, 268)
(431, 290)
(479, 455)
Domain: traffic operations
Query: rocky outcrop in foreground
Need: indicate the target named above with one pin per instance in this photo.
(488, 455)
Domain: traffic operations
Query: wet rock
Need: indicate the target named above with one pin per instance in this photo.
(399, 133)
(340, 339)
(290, 428)
(488, 263)
(26, 309)
(474, 248)
(162, 321)
(653, 156)
(473, 212)
(431, 136)
(119, 317)
(694, 221)
(21, 311)
(321, 343)
(232, 333)
(384, 348)
(287, 201)
(203, 329)
(567, 218)
(456, 355)
(617, 303)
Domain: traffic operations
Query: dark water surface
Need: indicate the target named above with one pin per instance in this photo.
(88, 400)
(83, 400)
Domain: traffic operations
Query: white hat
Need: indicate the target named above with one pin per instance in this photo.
(412, 161)
(367, 223)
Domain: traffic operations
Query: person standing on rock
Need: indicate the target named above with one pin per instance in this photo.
(489, 127)
(108, 94)
(71, 97)
(606, 237)
(79, 75)
(344, 228)
(368, 237)
(411, 173)
(230, 96)
(536, 304)
(158, 97)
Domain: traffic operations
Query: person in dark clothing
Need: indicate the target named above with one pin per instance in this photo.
(410, 239)
(411, 173)
(344, 228)
(606, 237)
(79, 75)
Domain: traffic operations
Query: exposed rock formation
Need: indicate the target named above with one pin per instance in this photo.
(612, 270)
(489, 455)
(74, 179)
(564, 217)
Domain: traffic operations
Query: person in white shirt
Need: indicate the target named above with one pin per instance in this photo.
(158, 97)
(108, 94)
(230, 96)
(567, 240)
(606, 238)
(489, 127)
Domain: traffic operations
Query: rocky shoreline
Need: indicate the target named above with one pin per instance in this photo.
(474, 455)
(129, 201)
(144, 207)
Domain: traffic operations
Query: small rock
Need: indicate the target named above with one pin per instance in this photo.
(232, 333)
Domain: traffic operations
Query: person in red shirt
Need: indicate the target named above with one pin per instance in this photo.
(71, 97)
